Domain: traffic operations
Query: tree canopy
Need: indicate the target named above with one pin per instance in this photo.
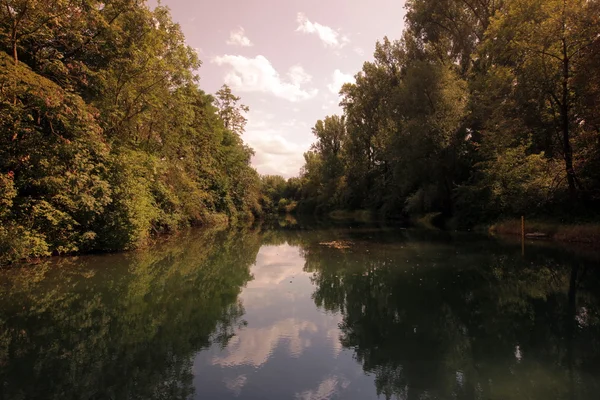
(481, 110)
(106, 137)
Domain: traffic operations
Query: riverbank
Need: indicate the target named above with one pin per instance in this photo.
(584, 233)
(13, 253)
(588, 233)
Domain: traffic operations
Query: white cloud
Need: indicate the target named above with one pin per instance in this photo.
(279, 145)
(338, 80)
(359, 51)
(298, 76)
(239, 38)
(276, 265)
(258, 75)
(294, 123)
(237, 384)
(329, 36)
(329, 105)
(275, 145)
(274, 154)
(254, 346)
(326, 389)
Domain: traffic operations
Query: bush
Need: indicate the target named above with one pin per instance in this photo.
(18, 243)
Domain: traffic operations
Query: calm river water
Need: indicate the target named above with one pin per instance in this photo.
(352, 312)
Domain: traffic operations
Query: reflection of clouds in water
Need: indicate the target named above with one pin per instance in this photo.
(275, 267)
(267, 295)
(236, 384)
(327, 388)
(278, 303)
(254, 346)
(275, 264)
(333, 335)
(283, 324)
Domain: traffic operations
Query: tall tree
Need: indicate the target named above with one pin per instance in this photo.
(550, 40)
(230, 111)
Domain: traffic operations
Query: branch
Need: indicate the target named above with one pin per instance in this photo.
(84, 44)
(42, 24)
(10, 13)
(543, 52)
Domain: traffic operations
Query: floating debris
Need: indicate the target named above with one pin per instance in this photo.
(536, 235)
(337, 244)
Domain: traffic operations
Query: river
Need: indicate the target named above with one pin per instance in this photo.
(306, 312)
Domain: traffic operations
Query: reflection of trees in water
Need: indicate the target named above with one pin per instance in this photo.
(469, 320)
(429, 317)
(121, 326)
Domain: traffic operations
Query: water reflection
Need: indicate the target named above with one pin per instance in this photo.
(461, 319)
(121, 327)
(289, 348)
(276, 314)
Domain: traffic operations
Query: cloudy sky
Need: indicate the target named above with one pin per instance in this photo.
(287, 59)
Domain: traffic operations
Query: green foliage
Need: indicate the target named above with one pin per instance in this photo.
(7, 193)
(17, 243)
(520, 182)
(438, 122)
(128, 220)
(106, 140)
(53, 149)
(229, 111)
(277, 194)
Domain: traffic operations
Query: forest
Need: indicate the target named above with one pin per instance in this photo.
(482, 110)
(106, 139)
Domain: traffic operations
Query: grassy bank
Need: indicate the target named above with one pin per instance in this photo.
(577, 233)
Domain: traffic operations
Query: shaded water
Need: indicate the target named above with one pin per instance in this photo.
(276, 314)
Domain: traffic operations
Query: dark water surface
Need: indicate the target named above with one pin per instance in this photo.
(277, 314)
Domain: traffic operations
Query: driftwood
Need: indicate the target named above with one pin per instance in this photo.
(536, 235)
(337, 244)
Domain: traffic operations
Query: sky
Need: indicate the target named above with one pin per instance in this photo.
(287, 60)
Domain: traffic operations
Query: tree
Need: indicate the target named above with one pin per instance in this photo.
(452, 29)
(54, 156)
(30, 19)
(230, 111)
(106, 138)
(551, 40)
(331, 136)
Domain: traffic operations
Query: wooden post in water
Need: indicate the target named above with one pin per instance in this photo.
(522, 235)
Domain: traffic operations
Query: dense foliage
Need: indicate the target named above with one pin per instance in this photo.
(105, 137)
(482, 110)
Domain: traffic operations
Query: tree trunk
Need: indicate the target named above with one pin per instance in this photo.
(13, 39)
(16, 58)
(14, 46)
(565, 122)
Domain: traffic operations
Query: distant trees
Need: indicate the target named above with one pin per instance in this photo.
(481, 110)
(278, 194)
(323, 172)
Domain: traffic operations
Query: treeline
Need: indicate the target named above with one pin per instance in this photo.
(105, 137)
(484, 109)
